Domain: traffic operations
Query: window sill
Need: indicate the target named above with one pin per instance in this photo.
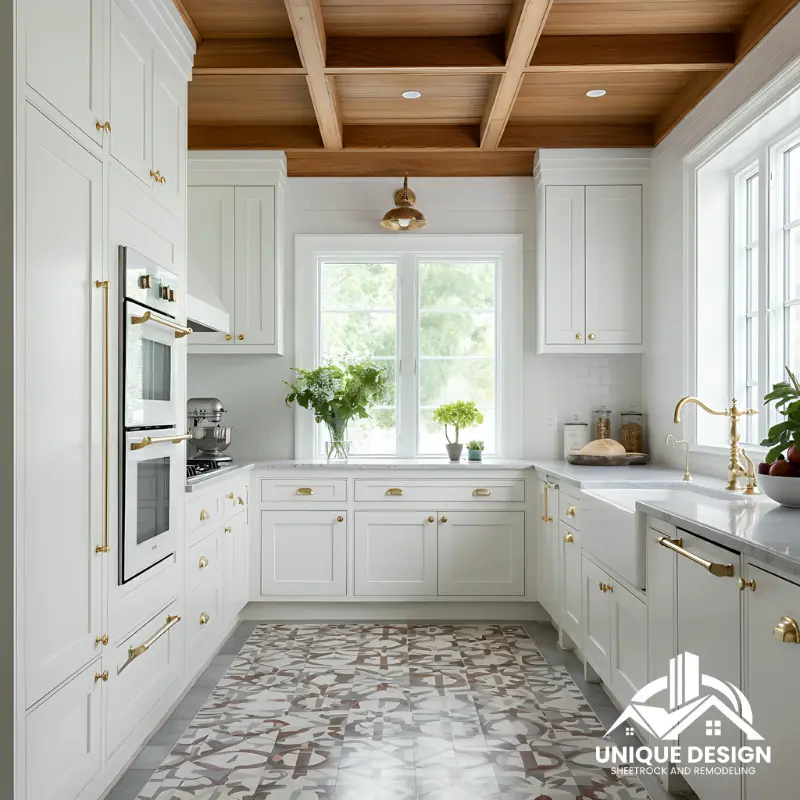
(754, 451)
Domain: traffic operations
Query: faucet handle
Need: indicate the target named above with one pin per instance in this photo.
(752, 483)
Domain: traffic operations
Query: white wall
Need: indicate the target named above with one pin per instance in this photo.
(252, 386)
(666, 377)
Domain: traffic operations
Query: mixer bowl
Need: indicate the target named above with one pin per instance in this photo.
(213, 439)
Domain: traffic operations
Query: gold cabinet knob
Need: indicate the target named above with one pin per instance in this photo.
(340, 519)
(744, 584)
(431, 519)
(162, 180)
(228, 337)
(571, 511)
(228, 529)
(569, 539)
(155, 175)
(239, 500)
(101, 639)
(240, 337)
(230, 495)
(203, 562)
(609, 587)
(204, 515)
(103, 126)
(787, 631)
(204, 618)
(443, 519)
(592, 337)
(579, 336)
(101, 676)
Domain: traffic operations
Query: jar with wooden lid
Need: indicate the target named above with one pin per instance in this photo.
(632, 431)
(603, 423)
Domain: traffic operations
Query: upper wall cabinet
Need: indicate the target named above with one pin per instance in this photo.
(235, 248)
(590, 251)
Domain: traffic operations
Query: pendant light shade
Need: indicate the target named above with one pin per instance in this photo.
(404, 217)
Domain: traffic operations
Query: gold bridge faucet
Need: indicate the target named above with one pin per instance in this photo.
(736, 469)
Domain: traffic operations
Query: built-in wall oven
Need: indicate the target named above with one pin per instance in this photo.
(153, 456)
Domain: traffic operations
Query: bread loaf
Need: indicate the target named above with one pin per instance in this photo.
(603, 447)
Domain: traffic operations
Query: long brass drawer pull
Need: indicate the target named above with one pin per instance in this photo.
(546, 516)
(787, 631)
(303, 491)
(482, 493)
(148, 440)
(204, 618)
(676, 545)
(203, 562)
(135, 652)
(394, 492)
(180, 330)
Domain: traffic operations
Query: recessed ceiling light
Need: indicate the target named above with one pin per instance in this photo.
(595, 92)
(412, 95)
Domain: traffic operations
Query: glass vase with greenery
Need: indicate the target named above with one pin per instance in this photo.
(338, 393)
(459, 415)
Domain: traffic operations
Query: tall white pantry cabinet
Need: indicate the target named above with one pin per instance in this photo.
(101, 91)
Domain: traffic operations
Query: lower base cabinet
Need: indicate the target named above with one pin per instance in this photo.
(596, 619)
(236, 579)
(63, 737)
(571, 600)
(204, 622)
(304, 553)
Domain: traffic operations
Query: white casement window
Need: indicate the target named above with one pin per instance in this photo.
(441, 313)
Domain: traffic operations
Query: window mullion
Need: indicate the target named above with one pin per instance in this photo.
(764, 255)
(407, 353)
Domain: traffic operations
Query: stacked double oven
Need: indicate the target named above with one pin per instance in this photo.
(152, 463)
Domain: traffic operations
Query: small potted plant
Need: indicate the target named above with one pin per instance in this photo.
(458, 415)
(475, 450)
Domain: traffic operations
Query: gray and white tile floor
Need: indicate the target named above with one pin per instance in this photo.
(370, 711)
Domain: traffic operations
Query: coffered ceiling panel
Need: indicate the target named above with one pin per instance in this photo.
(377, 99)
(575, 17)
(631, 96)
(415, 17)
(215, 19)
(249, 100)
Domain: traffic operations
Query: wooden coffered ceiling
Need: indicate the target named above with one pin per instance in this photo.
(323, 79)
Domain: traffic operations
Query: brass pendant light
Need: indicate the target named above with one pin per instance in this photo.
(404, 217)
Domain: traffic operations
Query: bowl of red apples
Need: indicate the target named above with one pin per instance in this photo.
(779, 475)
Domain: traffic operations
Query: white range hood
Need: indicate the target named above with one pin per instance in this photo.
(204, 310)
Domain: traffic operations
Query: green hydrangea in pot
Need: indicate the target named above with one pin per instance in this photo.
(475, 448)
(338, 393)
(458, 415)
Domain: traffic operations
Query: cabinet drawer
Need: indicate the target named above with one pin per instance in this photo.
(139, 679)
(203, 560)
(440, 491)
(62, 738)
(235, 499)
(569, 509)
(299, 491)
(203, 617)
(204, 512)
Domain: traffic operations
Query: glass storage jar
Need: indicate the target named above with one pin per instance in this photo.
(603, 423)
(632, 431)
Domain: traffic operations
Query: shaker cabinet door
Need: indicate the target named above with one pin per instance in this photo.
(571, 611)
(61, 474)
(596, 619)
(169, 136)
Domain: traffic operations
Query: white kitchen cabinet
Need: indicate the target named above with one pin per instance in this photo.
(662, 624)
(304, 553)
(63, 737)
(236, 580)
(709, 626)
(481, 553)
(395, 553)
(169, 135)
(64, 59)
(613, 266)
(61, 482)
(548, 547)
(130, 115)
(772, 664)
(565, 264)
(628, 663)
(571, 599)
(596, 618)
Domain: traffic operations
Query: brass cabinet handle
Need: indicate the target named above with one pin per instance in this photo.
(203, 562)
(105, 547)
(228, 529)
(431, 519)
(101, 639)
(601, 585)
(304, 491)
(103, 126)
(155, 175)
(787, 631)
(239, 500)
(204, 618)
(571, 511)
(135, 652)
(148, 440)
(606, 587)
(676, 545)
(579, 336)
(230, 495)
(204, 515)
(101, 676)
(162, 180)
(592, 337)
(569, 539)
(180, 330)
(228, 337)
(240, 337)
(546, 516)
(609, 587)
(443, 519)
(482, 493)
(340, 519)
(394, 492)
(745, 584)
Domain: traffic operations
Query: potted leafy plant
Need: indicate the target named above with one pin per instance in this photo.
(458, 415)
(475, 449)
(338, 393)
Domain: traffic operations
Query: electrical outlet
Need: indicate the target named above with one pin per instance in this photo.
(552, 419)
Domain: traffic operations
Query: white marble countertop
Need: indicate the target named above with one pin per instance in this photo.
(396, 464)
(618, 477)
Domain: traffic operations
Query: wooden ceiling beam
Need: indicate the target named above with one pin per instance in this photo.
(652, 52)
(759, 22)
(309, 35)
(527, 22)
(579, 134)
(248, 57)
(411, 137)
(254, 137)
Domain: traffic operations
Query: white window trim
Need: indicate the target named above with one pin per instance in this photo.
(507, 250)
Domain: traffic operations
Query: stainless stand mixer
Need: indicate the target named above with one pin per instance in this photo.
(209, 437)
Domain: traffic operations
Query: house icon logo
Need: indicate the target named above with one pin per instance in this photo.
(692, 697)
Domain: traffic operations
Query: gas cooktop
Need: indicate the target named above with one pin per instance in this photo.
(197, 469)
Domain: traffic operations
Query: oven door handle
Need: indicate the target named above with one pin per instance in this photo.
(180, 330)
(148, 440)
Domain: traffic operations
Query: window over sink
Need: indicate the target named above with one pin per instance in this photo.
(443, 314)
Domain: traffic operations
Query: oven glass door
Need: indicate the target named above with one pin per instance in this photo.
(153, 480)
(149, 370)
